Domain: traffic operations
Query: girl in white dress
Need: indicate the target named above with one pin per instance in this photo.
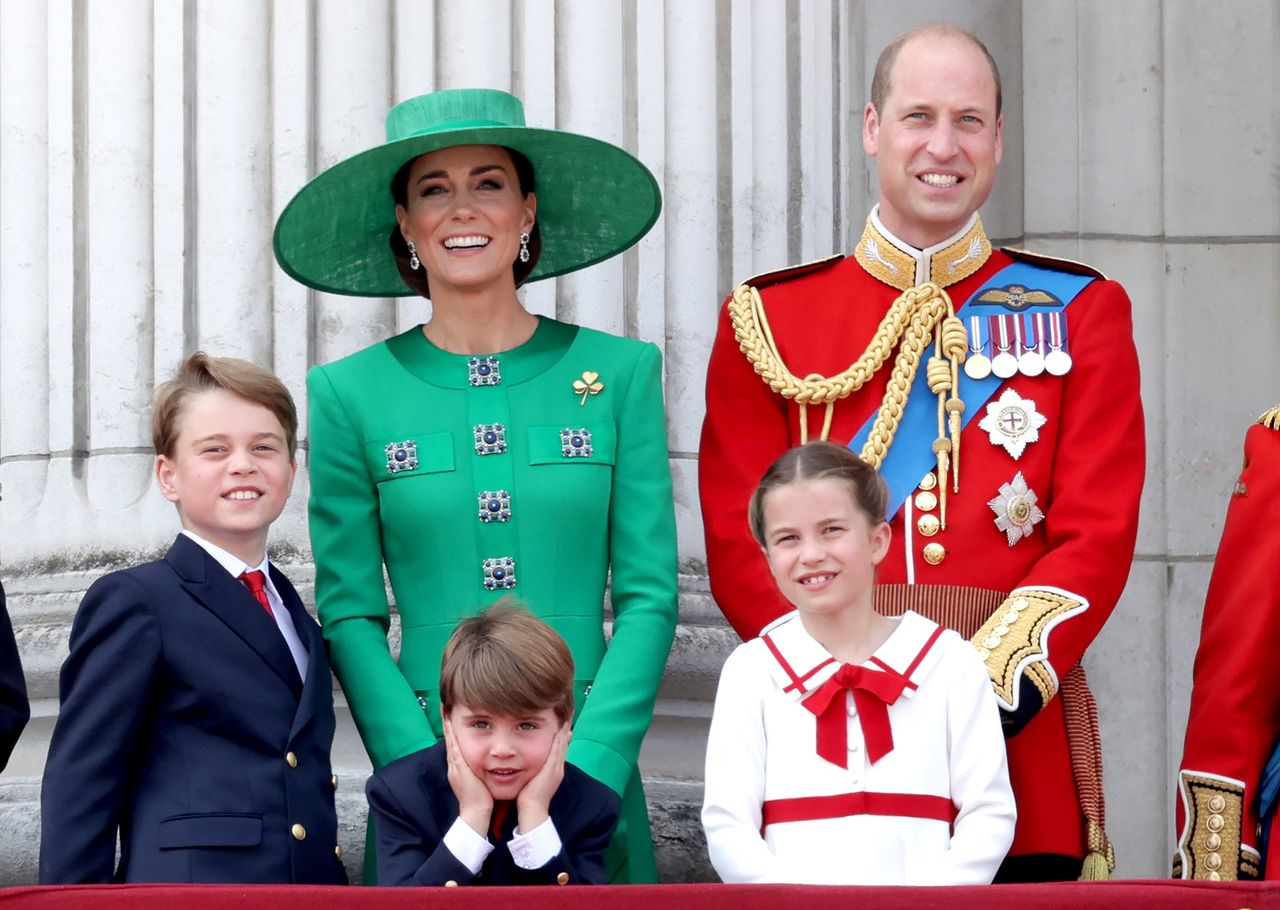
(848, 747)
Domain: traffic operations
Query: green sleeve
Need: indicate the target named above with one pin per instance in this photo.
(350, 593)
(642, 557)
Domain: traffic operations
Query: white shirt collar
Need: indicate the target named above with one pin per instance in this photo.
(233, 564)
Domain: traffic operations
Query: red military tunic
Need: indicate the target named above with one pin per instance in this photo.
(1235, 699)
(1085, 470)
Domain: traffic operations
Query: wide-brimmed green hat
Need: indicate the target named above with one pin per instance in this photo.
(594, 199)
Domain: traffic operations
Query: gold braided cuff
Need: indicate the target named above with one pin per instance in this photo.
(1015, 640)
(1210, 847)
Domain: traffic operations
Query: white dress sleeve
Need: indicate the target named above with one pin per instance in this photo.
(735, 775)
(985, 809)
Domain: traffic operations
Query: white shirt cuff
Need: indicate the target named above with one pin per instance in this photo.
(467, 847)
(537, 848)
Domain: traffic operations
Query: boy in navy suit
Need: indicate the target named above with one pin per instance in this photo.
(495, 802)
(197, 705)
(15, 711)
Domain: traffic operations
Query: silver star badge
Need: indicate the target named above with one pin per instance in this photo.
(1016, 509)
(1012, 422)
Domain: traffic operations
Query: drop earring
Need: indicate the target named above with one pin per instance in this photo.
(414, 261)
(524, 247)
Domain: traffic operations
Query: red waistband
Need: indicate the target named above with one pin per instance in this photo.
(811, 808)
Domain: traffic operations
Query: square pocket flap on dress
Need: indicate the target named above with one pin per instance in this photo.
(592, 442)
(408, 455)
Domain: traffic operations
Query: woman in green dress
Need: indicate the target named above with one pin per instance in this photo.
(488, 452)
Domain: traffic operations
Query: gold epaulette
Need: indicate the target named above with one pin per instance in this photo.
(1053, 262)
(1270, 418)
(764, 279)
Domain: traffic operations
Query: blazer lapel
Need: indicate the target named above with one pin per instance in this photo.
(225, 597)
(317, 662)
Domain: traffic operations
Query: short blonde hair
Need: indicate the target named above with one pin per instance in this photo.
(202, 373)
(507, 661)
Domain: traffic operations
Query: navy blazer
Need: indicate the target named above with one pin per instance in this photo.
(185, 726)
(15, 711)
(413, 806)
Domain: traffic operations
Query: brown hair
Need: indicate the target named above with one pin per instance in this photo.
(880, 84)
(202, 373)
(506, 661)
(417, 279)
(820, 460)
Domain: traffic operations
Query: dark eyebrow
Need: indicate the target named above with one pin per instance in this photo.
(478, 169)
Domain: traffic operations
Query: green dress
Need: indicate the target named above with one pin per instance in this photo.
(473, 478)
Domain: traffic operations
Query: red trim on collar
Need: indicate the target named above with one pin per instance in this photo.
(928, 645)
(923, 651)
(797, 682)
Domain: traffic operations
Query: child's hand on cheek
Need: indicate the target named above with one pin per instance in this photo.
(532, 805)
(475, 803)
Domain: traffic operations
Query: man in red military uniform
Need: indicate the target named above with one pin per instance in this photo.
(1014, 447)
(1235, 702)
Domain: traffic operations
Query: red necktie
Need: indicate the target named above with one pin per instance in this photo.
(256, 582)
(873, 691)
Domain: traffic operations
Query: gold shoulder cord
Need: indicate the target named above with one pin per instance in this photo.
(920, 314)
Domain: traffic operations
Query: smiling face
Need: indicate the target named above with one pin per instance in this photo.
(230, 472)
(938, 139)
(822, 548)
(465, 213)
(505, 751)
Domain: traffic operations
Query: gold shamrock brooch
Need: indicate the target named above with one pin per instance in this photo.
(589, 384)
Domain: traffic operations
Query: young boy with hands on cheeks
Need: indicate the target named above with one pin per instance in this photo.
(494, 802)
(846, 746)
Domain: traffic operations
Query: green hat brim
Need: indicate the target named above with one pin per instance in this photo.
(594, 201)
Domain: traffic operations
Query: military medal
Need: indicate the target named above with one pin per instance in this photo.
(1004, 364)
(1012, 422)
(1030, 342)
(1057, 362)
(977, 366)
(1016, 510)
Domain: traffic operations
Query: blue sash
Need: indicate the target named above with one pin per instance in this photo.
(911, 455)
(1268, 796)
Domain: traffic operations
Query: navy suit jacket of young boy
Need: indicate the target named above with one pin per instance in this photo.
(14, 709)
(413, 806)
(185, 724)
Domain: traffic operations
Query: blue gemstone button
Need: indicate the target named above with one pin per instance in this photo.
(499, 573)
(495, 505)
(491, 438)
(402, 456)
(483, 371)
(575, 443)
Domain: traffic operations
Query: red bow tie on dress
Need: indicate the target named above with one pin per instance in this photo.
(873, 691)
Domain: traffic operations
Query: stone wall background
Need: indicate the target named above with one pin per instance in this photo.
(146, 147)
